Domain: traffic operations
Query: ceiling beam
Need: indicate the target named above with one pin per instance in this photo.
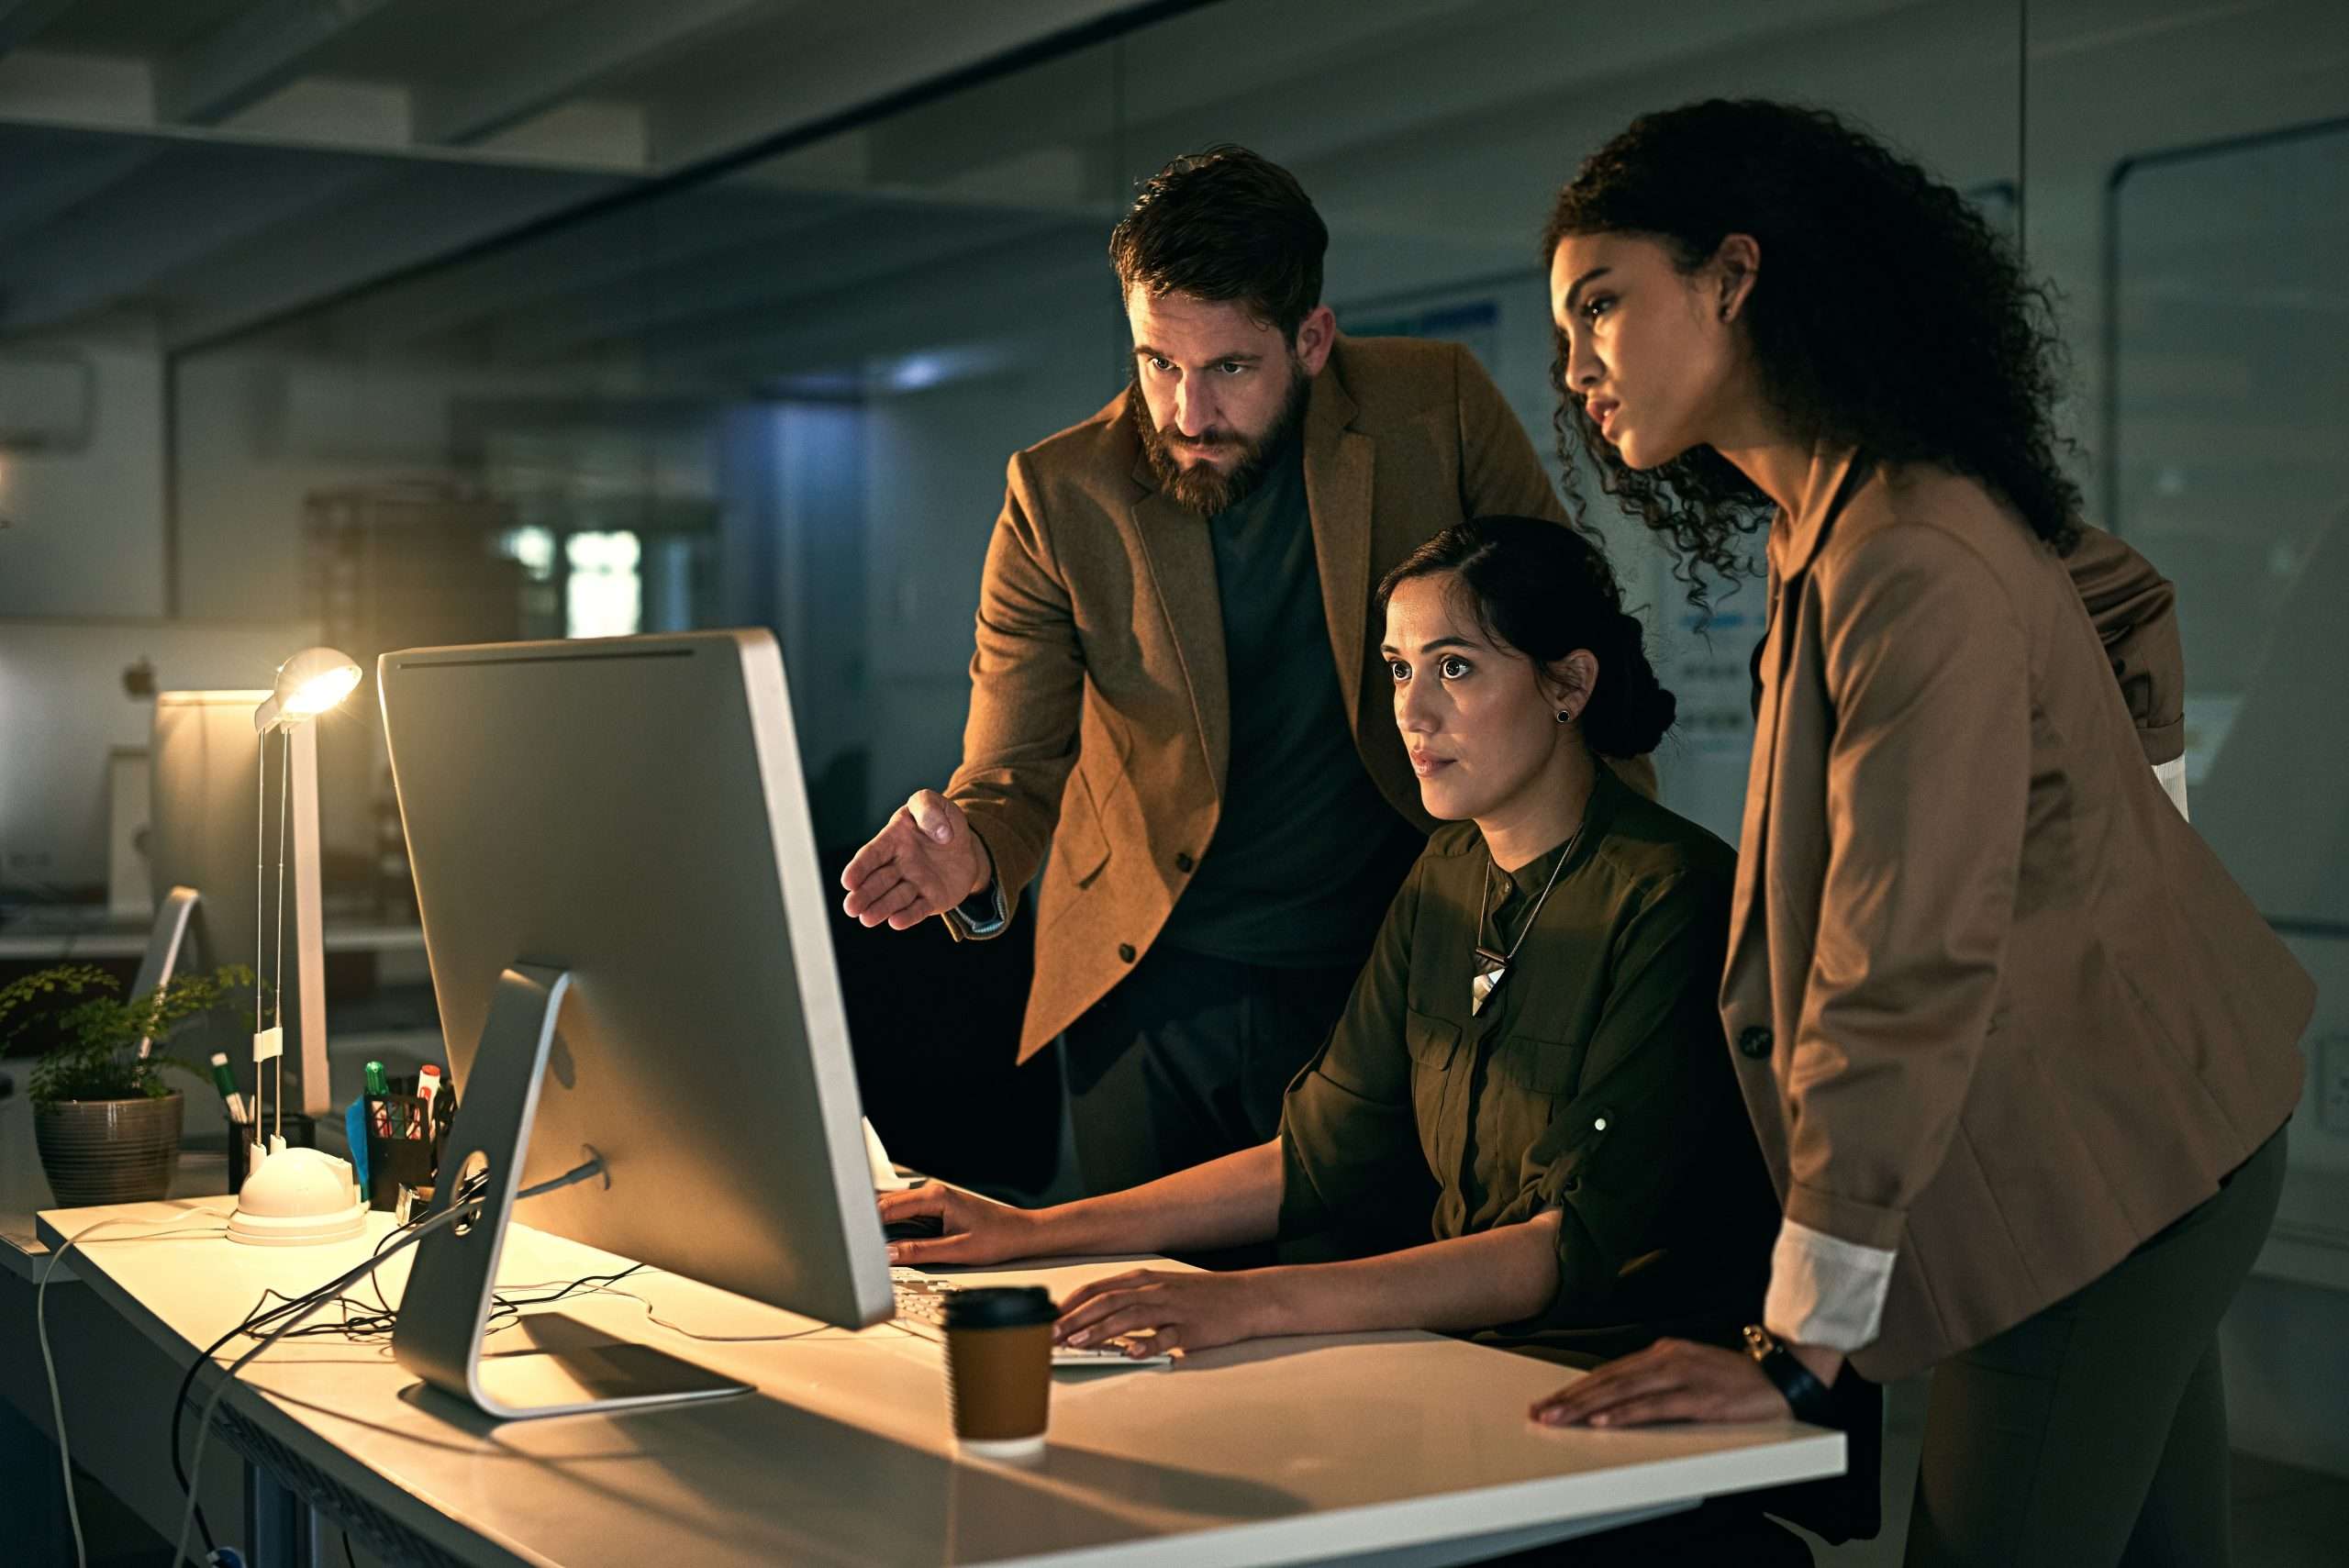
(22, 19)
(68, 175)
(599, 252)
(547, 66)
(765, 283)
(421, 214)
(166, 216)
(245, 61)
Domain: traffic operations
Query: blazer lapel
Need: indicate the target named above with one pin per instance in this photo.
(1338, 466)
(1834, 469)
(1747, 958)
(1182, 571)
(1794, 543)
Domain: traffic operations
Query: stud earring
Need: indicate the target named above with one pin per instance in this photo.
(1565, 715)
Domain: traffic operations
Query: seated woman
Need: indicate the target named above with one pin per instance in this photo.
(1530, 1068)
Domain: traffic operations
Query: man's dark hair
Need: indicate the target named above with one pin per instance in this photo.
(1225, 224)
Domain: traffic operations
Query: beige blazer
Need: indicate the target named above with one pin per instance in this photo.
(1993, 1002)
(1100, 715)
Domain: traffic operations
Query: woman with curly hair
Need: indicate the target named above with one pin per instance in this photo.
(2018, 1051)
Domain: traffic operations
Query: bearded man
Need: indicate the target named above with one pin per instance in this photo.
(1177, 684)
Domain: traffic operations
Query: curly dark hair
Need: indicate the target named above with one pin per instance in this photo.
(1888, 315)
(1545, 591)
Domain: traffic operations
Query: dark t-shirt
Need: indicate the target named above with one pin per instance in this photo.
(1308, 853)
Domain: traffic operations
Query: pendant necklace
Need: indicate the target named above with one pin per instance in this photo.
(1492, 968)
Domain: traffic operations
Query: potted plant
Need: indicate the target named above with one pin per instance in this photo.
(106, 1123)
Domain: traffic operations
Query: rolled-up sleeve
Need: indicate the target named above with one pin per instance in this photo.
(1349, 1132)
(1653, 1083)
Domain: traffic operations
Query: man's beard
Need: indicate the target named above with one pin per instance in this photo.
(1201, 487)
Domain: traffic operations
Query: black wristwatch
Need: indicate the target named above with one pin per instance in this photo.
(1805, 1394)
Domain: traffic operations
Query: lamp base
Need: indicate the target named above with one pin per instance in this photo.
(297, 1197)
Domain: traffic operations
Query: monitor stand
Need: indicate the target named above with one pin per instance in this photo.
(564, 1369)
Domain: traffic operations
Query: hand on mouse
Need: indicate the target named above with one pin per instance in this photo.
(973, 1229)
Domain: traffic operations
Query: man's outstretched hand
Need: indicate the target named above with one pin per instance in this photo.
(924, 861)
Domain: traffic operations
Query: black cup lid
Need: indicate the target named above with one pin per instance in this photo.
(1000, 1306)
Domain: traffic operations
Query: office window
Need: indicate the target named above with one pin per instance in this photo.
(604, 596)
(2229, 471)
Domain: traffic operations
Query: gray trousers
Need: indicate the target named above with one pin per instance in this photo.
(2094, 1432)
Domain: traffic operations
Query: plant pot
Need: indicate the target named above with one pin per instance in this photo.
(97, 1151)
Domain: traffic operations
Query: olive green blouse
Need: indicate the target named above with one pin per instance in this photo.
(1597, 1081)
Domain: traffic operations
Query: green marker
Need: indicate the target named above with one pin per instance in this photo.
(226, 1082)
(379, 1090)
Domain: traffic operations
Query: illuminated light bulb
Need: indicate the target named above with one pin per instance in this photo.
(307, 684)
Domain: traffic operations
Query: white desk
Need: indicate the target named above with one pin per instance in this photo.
(1402, 1447)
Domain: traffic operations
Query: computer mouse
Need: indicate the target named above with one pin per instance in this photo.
(914, 1227)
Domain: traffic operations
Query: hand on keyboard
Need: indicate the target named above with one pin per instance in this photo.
(921, 1310)
(968, 1228)
(1167, 1310)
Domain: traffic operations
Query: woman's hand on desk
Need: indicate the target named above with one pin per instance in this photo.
(1675, 1380)
(1163, 1311)
(977, 1229)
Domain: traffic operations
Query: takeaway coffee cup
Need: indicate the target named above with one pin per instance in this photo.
(999, 1368)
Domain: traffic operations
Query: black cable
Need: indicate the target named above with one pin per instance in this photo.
(349, 1557)
(294, 1314)
(258, 1321)
(360, 1328)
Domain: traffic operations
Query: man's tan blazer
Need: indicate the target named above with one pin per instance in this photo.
(1101, 713)
(1994, 1004)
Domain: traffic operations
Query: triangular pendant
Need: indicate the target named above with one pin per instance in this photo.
(1492, 968)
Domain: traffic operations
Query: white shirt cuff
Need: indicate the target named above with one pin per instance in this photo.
(2171, 775)
(1824, 1291)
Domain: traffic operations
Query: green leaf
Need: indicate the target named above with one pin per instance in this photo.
(94, 1056)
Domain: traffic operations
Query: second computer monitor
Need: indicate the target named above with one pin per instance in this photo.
(631, 812)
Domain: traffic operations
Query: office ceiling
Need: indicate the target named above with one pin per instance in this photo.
(214, 162)
(200, 166)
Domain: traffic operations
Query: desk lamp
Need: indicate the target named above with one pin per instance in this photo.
(293, 1197)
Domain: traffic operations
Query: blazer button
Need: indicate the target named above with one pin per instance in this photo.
(1184, 863)
(1126, 952)
(1754, 1042)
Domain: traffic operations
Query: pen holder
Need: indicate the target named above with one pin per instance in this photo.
(403, 1147)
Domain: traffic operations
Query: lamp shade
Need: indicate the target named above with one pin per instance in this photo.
(307, 684)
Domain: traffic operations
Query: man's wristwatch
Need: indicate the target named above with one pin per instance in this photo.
(1805, 1394)
(982, 913)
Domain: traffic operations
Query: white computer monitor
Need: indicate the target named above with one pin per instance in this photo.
(628, 814)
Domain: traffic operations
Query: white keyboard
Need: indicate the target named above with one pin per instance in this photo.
(921, 1310)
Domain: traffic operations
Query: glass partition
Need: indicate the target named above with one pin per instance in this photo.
(2187, 192)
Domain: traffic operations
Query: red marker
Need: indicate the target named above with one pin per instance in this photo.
(428, 1086)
